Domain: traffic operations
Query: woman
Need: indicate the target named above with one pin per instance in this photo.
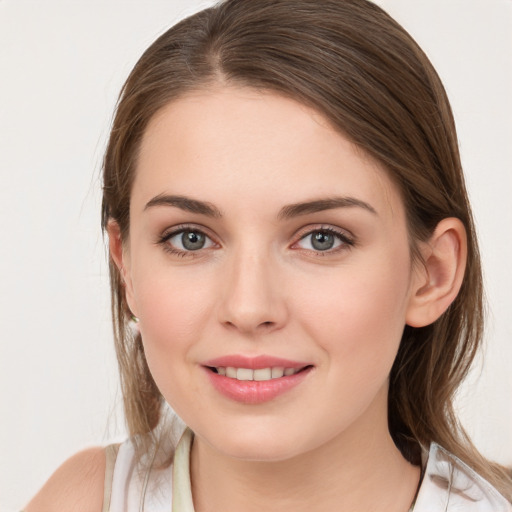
(294, 270)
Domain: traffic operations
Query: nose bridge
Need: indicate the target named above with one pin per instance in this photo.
(252, 299)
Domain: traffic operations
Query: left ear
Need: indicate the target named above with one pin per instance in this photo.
(438, 278)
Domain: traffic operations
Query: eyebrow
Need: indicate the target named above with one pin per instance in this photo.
(185, 203)
(297, 209)
(287, 212)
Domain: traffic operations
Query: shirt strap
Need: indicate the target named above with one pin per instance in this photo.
(110, 456)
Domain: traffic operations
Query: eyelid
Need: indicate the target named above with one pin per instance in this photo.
(179, 228)
(347, 238)
(171, 232)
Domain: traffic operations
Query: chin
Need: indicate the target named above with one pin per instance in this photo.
(257, 444)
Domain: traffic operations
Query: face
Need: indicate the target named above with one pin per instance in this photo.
(269, 265)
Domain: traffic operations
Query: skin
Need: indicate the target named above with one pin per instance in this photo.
(260, 286)
(76, 485)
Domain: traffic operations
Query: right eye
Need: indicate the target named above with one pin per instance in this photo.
(186, 240)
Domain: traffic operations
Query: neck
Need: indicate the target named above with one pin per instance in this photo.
(360, 469)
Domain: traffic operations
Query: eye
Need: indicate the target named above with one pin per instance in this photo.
(324, 240)
(186, 240)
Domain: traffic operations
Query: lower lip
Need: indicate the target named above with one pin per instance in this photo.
(254, 391)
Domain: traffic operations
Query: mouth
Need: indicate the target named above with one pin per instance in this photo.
(255, 380)
(260, 374)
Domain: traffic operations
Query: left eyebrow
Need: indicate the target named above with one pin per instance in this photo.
(297, 209)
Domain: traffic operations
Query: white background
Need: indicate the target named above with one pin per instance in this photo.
(61, 67)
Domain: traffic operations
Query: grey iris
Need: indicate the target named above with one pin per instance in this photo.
(192, 240)
(322, 241)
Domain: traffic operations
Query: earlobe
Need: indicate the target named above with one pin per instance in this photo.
(437, 282)
(120, 258)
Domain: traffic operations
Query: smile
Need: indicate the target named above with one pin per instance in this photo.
(255, 380)
(261, 374)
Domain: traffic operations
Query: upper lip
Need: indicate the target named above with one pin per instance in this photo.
(254, 362)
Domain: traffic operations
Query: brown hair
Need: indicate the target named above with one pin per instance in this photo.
(353, 63)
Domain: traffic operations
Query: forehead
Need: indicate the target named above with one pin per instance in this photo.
(253, 145)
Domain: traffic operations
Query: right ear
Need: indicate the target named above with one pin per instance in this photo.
(120, 257)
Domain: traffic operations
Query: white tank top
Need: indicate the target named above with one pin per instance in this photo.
(129, 489)
(448, 484)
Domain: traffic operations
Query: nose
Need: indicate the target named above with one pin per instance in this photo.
(253, 297)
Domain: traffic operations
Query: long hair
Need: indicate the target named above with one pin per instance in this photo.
(360, 69)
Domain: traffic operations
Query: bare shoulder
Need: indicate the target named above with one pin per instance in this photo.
(76, 485)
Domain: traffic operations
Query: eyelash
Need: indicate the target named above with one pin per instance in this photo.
(164, 241)
(346, 241)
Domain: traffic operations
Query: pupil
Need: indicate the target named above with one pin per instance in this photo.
(192, 240)
(322, 241)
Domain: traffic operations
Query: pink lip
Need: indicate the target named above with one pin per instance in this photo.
(254, 363)
(254, 392)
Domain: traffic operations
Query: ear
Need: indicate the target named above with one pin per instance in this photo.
(438, 280)
(120, 257)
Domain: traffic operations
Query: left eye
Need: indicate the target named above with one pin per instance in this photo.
(189, 240)
(322, 240)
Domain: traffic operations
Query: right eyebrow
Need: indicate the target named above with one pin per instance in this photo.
(185, 203)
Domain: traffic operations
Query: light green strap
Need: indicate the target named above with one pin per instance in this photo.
(181, 489)
(110, 456)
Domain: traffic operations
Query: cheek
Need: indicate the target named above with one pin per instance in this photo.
(358, 318)
(171, 323)
(174, 309)
(171, 301)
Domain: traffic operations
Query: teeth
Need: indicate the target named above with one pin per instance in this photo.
(244, 374)
(260, 374)
(277, 372)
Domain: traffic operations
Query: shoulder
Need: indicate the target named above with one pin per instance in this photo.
(76, 485)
